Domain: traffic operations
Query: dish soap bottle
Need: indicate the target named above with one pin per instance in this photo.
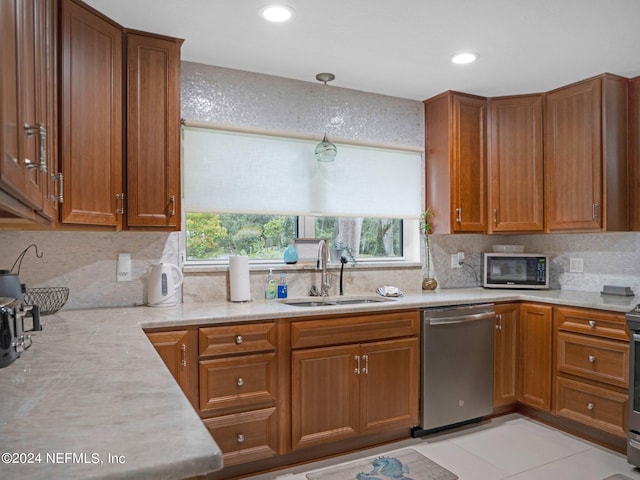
(270, 286)
(282, 287)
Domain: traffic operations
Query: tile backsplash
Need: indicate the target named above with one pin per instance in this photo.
(86, 261)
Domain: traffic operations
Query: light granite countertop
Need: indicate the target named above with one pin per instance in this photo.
(92, 399)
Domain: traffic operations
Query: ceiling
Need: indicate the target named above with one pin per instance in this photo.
(403, 48)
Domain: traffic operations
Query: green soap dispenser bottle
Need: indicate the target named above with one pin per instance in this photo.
(270, 287)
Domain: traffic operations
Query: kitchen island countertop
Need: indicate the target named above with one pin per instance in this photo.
(92, 399)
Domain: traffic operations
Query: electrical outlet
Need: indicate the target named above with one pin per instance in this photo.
(455, 263)
(576, 265)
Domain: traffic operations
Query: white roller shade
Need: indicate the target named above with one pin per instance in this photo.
(232, 172)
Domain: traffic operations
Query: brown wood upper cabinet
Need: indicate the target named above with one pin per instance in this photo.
(634, 153)
(585, 156)
(153, 131)
(27, 111)
(515, 166)
(456, 162)
(91, 115)
(98, 190)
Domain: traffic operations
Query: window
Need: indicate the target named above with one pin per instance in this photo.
(251, 194)
(215, 236)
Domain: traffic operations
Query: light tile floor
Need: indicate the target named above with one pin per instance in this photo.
(510, 447)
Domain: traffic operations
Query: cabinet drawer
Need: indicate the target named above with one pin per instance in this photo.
(238, 383)
(231, 339)
(602, 360)
(354, 329)
(245, 437)
(591, 322)
(594, 406)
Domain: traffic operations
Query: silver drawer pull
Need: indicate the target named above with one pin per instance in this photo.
(592, 359)
(592, 323)
(183, 355)
(240, 438)
(240, 382)
(357, 369)
(590, 406)
(239, 339)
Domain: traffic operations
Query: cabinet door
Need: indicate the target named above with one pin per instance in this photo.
(505, 359)
(573, 157)
(515, 173)
(389, 384)
(469, 164)
(21, 116)
(11, 170)
(324, 395)
(91, 117)
(536, 336)
(634, 153)
(153, 132)
(178, 350)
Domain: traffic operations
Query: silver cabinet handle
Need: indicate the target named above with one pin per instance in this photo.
(239, 339)
(172, 205)
(59, 180)
(592, 324)
(357, 369)
(590, 406)
(183, 355)
(459, 215)
(42, 132)
(495, 217)
(240, 438)
(595, 212)
(591, 359)
(365, 370)
(120, 196)
(240, 382)
(499, 321)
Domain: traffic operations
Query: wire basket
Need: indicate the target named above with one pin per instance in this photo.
(49, 299)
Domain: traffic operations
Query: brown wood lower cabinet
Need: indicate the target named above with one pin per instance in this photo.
(342, 391)
(178, 351)
(536, 353)
(245, 437)
(592, 368)
(238, 373)
(286, 391)
(505, 355)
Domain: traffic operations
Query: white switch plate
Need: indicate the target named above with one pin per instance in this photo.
(123, 269)
(455, 263)
(576, 265)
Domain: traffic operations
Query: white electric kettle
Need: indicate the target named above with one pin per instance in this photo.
(164, 281)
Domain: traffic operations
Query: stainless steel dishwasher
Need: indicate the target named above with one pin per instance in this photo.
(457, 366)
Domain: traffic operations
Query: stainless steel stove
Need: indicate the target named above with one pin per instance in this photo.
(633, 445)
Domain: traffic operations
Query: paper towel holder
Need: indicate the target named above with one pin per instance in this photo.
(239, 279)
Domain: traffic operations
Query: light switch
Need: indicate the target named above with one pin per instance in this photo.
(123, 270)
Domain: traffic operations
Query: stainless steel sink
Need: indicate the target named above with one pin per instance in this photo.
(333, 301)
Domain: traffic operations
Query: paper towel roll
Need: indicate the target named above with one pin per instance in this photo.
(239, 278)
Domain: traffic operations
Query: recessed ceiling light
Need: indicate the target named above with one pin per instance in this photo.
(276, 13)
(466, 57)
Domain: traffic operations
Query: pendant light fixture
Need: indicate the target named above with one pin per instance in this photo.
(325, 150)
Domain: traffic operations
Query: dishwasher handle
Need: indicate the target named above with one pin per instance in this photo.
(460, 318)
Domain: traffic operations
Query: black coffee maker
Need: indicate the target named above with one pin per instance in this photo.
(13, 339)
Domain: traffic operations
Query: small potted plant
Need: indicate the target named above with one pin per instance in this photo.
(428, 282)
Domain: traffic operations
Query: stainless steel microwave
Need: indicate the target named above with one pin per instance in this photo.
(515, 270)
